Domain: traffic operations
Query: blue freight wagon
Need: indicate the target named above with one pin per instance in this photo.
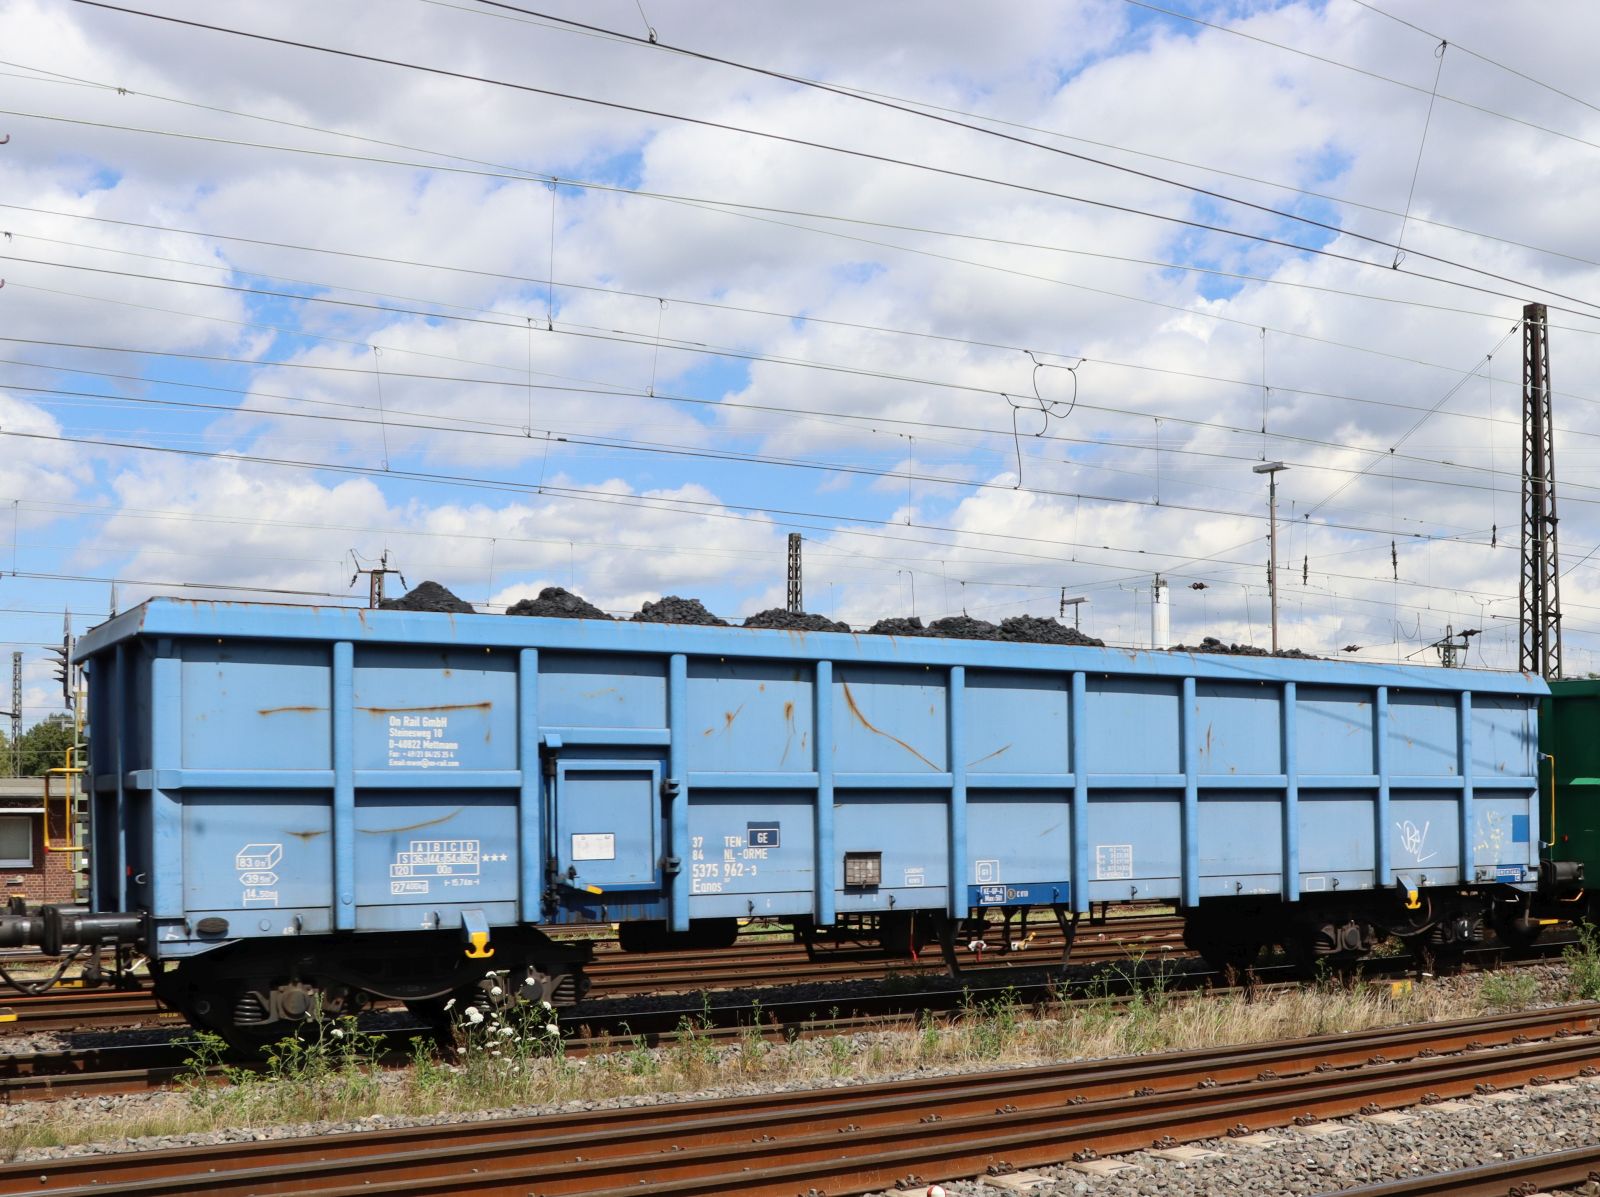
(298, 808)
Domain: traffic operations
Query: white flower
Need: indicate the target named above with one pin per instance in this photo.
(451, 1004)
(495, 1053)
(550, 1028)
(543, 1005)
(473, 1016)
(337, 1033)
(496, 991)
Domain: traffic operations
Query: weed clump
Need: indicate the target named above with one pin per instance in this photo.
(1583, 959)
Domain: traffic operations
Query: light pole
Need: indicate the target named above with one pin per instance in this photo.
(1272, 469)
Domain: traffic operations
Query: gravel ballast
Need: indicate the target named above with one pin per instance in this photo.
(1154, 1177)
(1478, 1131)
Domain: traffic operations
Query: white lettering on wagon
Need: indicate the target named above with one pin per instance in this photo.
(419, 742)
(258, 882)
(741, 860)
(1113, 862)
(453, 863)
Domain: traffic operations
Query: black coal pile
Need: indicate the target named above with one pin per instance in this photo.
(556, 602)
(428, 596)
(789, 621)
(1212, 645)
(963, 627)
(899, 627)
(673, 609)
(1030, 629)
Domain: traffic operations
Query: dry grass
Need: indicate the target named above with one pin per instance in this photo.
(518, 1063)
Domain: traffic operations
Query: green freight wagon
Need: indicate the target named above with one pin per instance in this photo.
(1569, 741)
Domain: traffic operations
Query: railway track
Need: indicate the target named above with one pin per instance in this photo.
(1532, 1174)
(869, 1137)
(137, 1067)
(615, 974)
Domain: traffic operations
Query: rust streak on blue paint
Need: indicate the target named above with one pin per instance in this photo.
(411, 826)
(850, 700)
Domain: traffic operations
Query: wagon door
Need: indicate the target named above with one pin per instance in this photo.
(608, 824)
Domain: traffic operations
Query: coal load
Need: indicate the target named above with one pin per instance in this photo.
(899, 627)
(428, 596)
(1030, 629)
(963, 627)
(556, 602)
(673, 609)
(791, 621)
(1212, 645)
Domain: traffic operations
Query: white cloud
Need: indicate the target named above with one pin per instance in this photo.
(1097, 71)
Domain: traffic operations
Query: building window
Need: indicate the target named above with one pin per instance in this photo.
(16, 841)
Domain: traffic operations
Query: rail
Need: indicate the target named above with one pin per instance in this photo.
(868, 1137)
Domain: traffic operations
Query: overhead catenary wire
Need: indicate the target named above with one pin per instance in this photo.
(652, 394)
(749, 211)
(1201, 313)
(829, 467)
(1422, 145)
(1370, 74)
(473, 425)
(1481, 57)
(641, 338)
(990, 118)
(552, 273)
(768, 513)
(552, 283)
(865, 155)
(1150, 176)
(41, 74)
(1418, 423)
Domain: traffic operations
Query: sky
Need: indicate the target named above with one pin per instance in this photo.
(995, 306)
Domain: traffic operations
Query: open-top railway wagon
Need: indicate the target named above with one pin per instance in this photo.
(298, 809)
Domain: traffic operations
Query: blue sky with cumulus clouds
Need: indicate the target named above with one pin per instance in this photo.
(265, 306)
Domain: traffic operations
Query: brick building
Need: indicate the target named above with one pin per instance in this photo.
(25, 867)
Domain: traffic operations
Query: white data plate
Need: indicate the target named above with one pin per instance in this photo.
(594, 846)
